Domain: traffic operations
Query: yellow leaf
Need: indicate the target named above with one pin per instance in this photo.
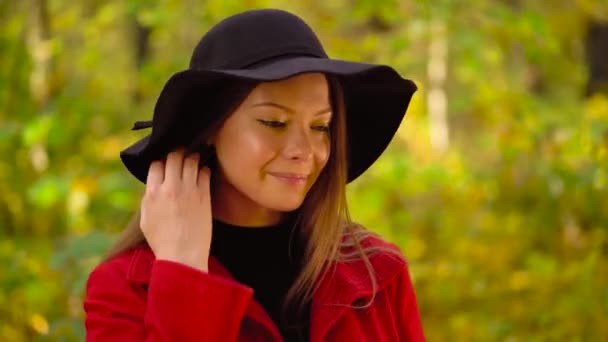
(597, 107)
(39, 324)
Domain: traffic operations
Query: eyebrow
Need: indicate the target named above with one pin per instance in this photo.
(287, 109)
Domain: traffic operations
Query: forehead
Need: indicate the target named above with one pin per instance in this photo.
(309, 88)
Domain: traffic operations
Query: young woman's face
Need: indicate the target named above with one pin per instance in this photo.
(273, 147)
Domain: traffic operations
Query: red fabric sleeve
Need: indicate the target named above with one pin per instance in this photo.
(406, 309)
(181, 304)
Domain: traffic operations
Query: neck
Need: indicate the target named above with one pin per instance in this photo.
(231, 206)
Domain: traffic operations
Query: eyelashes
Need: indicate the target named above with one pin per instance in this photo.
(272, 124)
(278, 125)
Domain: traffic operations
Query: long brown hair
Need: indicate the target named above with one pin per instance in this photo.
(325, 228)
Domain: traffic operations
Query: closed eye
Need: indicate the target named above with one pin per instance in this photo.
(324, 129)
(279, 124)
(274, 124)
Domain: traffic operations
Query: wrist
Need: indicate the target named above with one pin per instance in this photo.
(199, 263)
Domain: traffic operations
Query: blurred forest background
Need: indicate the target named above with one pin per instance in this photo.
(495, 187)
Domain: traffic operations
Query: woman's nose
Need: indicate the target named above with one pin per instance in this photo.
(299, 144)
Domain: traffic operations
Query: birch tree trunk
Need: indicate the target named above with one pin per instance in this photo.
(39, 46)
(437, 99)
(39, 36)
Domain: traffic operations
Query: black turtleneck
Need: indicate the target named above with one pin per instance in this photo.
(260, 257)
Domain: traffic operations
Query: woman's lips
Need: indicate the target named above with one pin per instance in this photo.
(290, 178)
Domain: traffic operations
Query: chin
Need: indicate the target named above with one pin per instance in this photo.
(283, 205)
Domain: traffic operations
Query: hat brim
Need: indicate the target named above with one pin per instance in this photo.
(376, 99)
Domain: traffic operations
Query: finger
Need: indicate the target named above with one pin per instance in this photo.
(190, 171)
(204, 177)
(156, 174)
(173, 168)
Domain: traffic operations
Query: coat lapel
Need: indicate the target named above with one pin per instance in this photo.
(348, 284)
(344, 284)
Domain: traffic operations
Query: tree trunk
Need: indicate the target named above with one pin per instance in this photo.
(596, 46)
(40, 51)
(141, 41)
(39, 45)
(437, 99)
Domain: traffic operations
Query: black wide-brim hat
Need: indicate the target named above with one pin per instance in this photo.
(268, 45)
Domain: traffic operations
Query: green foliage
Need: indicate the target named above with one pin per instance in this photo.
(506, 231)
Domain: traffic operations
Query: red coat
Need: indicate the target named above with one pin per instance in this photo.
(133, 297)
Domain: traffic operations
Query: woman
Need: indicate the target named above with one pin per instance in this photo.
(244, 232)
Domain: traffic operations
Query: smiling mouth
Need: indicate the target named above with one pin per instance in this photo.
(290, 178)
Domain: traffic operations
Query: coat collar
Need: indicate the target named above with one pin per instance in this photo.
(343, 285)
